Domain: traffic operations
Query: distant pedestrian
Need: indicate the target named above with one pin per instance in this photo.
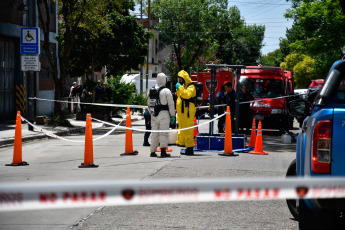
(99, 92)
(75, 97)
(245, 114)
(221, 100)
(147, 117)
(230, 101)
(85, 97)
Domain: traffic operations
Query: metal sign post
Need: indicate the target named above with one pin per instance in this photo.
(30, 50)
(237, 69)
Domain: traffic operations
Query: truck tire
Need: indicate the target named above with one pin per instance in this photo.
(291, 203)
(309, 219)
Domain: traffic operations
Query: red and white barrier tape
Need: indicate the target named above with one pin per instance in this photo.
(54, 195)
(49, 134)
(86, 103)
(163, 131)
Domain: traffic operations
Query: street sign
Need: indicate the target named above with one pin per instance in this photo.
(30, 40)
(30, 63)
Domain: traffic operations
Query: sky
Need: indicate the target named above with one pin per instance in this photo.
(269, 13)
(263, 12)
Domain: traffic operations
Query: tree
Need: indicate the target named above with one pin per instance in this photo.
(304, 72)
(79, 16)
(189, 26)
(321, 25)
(302, 68)
(124, 48)
(44, 19)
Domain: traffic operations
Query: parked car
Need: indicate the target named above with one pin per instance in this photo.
(318, 83)
(320, 151)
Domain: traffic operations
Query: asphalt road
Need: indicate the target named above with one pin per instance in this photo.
(56, 160)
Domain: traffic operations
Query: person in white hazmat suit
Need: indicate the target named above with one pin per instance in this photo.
(162, 110)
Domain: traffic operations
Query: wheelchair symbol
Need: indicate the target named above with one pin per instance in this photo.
(29, 37)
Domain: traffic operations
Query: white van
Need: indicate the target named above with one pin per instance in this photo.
(135, 78)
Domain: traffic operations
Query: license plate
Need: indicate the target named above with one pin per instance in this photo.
(258, 117)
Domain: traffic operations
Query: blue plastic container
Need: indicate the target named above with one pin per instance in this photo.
(204, 141)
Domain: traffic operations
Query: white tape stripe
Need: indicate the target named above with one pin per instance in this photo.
(166, 131)
(49, 133)
(144, 106)
(65, 139)
(108, 133)
(53, 195)
(245, 102)
(85, 103)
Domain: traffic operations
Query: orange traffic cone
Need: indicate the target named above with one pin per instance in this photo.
(88, 152)
(17, 150)
(252, 135)
(166, 150)
(228, 136)
(129, 139)
(258, 143)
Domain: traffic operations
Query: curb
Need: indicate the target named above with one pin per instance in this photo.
(78, 129)
(10, 141)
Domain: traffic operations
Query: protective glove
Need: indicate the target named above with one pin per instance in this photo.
(177, 86)
(172, 120)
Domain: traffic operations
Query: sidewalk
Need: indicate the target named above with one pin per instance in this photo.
(7, 129)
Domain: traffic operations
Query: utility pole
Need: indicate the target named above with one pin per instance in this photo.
(141, 65)
(148, 53)
(29, 77)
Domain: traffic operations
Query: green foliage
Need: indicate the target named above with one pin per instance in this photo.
(207, 56)
(302, 67)
(246, 45)
(318, 31)
(189, 26)
(123, 93)
(203, 31)
(118, 42)
(276, 57)
(291, 61)
(58, 120)
(271, 59)
(117, 92)
(304, 72)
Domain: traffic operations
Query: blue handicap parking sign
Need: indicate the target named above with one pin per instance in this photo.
(29, 40)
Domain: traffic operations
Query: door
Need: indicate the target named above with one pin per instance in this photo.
(7, 79)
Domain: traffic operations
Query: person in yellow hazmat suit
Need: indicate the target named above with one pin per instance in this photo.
(185, 108)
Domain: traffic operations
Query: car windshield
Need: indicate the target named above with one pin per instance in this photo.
(263, 88)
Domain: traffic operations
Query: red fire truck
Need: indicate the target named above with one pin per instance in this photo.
(271, 86)
(223, 75)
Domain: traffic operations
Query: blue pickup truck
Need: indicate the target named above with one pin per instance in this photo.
(320, 151)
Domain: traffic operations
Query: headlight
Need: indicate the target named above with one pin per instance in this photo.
(276, 111)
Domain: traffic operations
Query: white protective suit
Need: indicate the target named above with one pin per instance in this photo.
(162, 121)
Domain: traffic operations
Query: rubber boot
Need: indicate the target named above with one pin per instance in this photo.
(189, 151)
(153, 154)
(146, 143)
(164, 153)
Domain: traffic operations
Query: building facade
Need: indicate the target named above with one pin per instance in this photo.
(16, 86)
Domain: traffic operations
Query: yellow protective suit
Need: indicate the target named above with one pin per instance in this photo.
(185, 116)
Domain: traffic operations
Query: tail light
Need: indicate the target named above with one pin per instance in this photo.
(322, 140)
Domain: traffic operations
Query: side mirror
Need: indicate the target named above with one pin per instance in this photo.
(297, 107)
